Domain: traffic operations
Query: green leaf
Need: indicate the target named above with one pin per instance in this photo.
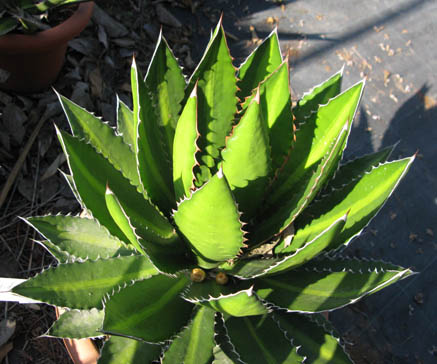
(318, 95)
(246, 159)
(279, 217)
(70, 183)
(259, 339)
(224, 351)
(275, 101)
(125, 124)
(124, 350)
(167, 255)
(151, 147)
(233, 299)
(261, 62)
(60, 255)
(362, 197)
(7, 25)
(194, 344)
(220, 357)
(43, 6)
(210, 222)
(315, 342)
(83, 285)
(77, 324)
(297, 255)
(314, 140)
(217, 101)
(166, 83)
(357, 167)
(150, 309)
(90, 180)
(185, 148)
(121, 219)
(308, 250)
(85, 125)
(78, 237)
(327, 285)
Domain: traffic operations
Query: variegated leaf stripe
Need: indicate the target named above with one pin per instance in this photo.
(249, 269)
(237, 300)
(91, 179)
(314, 342)
(125, 350)
(101, 136)
(280, 217)
(150, 310)
(362, 197)
(194, 344)
(93, 281)
(259, 339)
(152, 152)
(77, 324)
(79, 238)
(315, 289)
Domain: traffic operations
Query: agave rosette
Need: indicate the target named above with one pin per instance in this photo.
(223, 175)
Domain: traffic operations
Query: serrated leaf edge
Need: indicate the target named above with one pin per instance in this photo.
(46, 334)
(288, 257)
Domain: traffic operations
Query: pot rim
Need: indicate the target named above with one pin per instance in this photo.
(47, 39)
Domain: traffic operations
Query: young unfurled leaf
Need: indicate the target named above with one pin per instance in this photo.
(217, 101)
(275, 100)
(246, 159)
(259, 64)
(126, 124)
(152, 151)
(209, 220)
(165, 78)
(185, 148)
(317, 96)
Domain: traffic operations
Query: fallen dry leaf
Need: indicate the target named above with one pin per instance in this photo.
(7, 329)
(113, 28)
(4, 350)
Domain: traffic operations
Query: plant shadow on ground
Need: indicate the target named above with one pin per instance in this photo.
(380, 334)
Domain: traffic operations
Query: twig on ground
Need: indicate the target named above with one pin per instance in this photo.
(17, 167)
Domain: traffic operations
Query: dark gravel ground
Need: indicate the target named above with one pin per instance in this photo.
(391, 43)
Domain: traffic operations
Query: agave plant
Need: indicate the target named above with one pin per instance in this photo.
(27, 15)
(215, 216)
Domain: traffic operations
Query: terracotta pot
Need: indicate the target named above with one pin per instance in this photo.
(33, 62)
(82, 351)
